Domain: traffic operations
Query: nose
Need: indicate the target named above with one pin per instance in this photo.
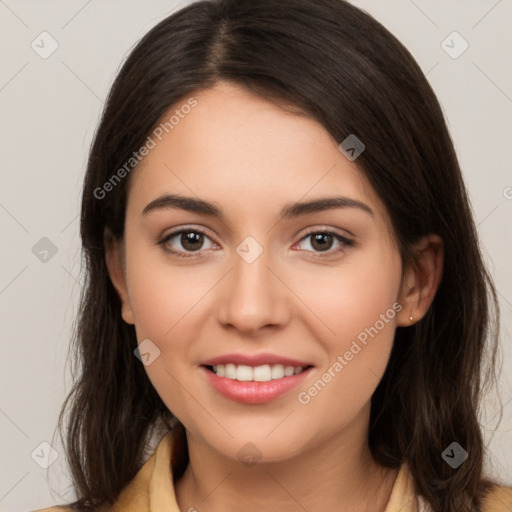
(253, 296)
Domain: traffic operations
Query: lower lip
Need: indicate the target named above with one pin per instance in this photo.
(253, 392)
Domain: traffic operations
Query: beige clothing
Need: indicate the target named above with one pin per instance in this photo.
(151, 489)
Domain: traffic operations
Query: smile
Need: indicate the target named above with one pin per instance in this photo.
(263, 373)
(254, 385)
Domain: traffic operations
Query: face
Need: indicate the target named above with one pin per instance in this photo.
(254, 291)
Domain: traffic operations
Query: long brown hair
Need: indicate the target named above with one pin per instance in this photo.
(340, 66)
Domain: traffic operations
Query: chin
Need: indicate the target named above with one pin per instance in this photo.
(252, 446)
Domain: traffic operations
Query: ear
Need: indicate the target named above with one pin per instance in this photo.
(114, 257)
(421, 280)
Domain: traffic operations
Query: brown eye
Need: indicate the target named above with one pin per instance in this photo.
(191, 240)
(322, 241)
(184, 241)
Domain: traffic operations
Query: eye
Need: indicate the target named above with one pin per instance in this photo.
(322, 241)
(190, 239)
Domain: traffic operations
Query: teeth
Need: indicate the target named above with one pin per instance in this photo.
(243, 372)
(219, 370)
(266, 372)
(277, 371)
(289, 371)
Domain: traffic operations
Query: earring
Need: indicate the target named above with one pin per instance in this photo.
(410, 318)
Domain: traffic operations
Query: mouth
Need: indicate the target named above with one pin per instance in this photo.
(253, 385)
(262, 373)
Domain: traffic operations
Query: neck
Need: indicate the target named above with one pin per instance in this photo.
(338, 474)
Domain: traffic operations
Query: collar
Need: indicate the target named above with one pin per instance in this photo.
(150, 490)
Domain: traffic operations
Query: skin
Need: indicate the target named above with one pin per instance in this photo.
(250, 158)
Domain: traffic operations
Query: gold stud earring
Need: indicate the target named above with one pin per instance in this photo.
(410, 318)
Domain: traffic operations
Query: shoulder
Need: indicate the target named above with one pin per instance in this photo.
(498, 499)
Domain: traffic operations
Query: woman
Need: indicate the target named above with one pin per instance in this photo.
(283, 273)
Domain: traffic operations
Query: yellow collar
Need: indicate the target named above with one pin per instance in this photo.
(150, 489)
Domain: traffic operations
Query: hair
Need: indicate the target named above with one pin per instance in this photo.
(342, 68)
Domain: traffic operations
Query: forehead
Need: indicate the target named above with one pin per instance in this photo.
(234, 145)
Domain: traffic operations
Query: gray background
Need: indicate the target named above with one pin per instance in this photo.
(49, 109)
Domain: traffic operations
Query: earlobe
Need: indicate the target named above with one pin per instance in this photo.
(421, 280)
(115, 266)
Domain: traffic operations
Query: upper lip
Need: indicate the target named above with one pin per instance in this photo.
(254, 360)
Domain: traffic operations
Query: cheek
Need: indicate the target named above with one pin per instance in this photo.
(353, 297)
(162, 298)
(358, 308)
(161, 294)
(356, 359)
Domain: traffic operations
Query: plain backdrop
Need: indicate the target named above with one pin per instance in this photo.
(49, 109)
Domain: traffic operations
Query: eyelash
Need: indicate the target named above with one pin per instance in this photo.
(345, 241)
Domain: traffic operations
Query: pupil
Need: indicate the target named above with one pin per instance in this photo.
(317, 239)
(188, 239)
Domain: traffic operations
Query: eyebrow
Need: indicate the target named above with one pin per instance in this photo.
(289, 211)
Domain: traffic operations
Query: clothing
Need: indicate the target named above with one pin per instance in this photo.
(149, 491)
